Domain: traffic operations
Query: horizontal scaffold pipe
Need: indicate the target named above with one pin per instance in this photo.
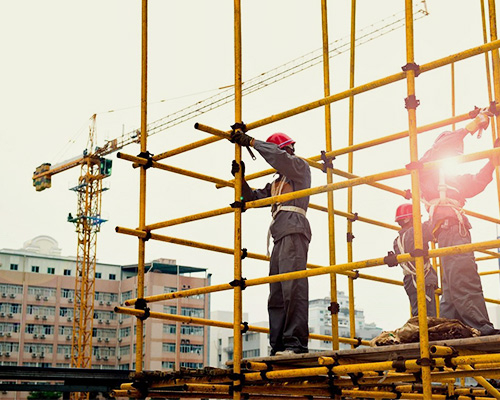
(221, 324)
(226, 250)
(154, 164)
(339, 268)
(341, 370)
(333, 98)
(325, 188)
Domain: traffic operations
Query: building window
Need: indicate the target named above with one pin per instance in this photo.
(169, 329)
(98, 275)
(35, 268)
(67, 272)
(168, 347)
(51, 270)
(167, 365)
(14, 267)
(112, 277)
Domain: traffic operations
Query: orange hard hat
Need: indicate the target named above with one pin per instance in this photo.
(281, 139)
(404, 211)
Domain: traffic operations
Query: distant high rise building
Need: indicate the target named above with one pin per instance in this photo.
(36, 312)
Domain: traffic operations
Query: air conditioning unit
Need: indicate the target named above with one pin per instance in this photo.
(4, 392)
(42, 336)
(38, 297)
(98, 357)
(70, 319)
(105, 358)
(101, 303)
(7, 354)
(119, 358)
(44, 317)
(42, 355)
(108, 303)
(37, 317)
(12, 296)
(106, 340)
(67, 356)
(1, 334)
(10, 315)
(68, 337)
(4, 295)
(120, 321)
(100, 321)
(1, 354)
(33, 355)
(99, 339)
(119, 340)
(8, 334)
(70, 300)
(45, 298)
(35, 335)
(107, 322)
(2, 314)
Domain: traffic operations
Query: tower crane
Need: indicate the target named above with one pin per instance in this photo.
(94, 167)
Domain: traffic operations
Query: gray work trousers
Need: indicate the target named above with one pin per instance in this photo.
(287, 305)
(411, 291)
(462, 297)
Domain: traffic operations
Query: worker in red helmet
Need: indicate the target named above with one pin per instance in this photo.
(444, 195)
(288, 301)
(405, 243)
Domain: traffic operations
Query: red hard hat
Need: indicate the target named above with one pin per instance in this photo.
(281, 139)
(404, 211)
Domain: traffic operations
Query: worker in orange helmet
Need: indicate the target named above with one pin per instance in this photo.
(288, 300)
(444, 195)
(405, 243)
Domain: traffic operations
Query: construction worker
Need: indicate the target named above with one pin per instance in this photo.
(404, 243)
(288, 300)
(444, 196)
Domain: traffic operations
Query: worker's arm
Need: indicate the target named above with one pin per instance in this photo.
(291, 166)
(470, 185)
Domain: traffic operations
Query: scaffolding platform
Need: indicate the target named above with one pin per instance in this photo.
(475, 345)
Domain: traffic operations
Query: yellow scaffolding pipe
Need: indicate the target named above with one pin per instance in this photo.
(411, 106)
(329, 177)
(221, 324)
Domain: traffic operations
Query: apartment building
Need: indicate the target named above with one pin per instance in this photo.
(36, 311)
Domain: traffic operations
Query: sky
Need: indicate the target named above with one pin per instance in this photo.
(65, 61)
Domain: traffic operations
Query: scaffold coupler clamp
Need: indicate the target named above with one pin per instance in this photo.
(419, 253)
(391, 259)
(334, 307)
(148, 157)
(241, 127)
(142, 387)
(360, 341)
(245, 327)
(239, 282)
(408, 194)
(141, 304)
(239, 204)
(327, 161)
(354, 217)
(412, 67)
(411, 102)
(244, 253)
(236, 377)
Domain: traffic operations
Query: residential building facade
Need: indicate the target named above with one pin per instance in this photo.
(37, 287)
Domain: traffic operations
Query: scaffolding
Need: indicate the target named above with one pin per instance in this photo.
(420, 370)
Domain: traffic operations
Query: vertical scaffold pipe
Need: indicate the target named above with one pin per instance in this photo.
(142, 182)
(238, 312)
(496, 76)
(350, 169)
(329, 178)
(411, 105)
